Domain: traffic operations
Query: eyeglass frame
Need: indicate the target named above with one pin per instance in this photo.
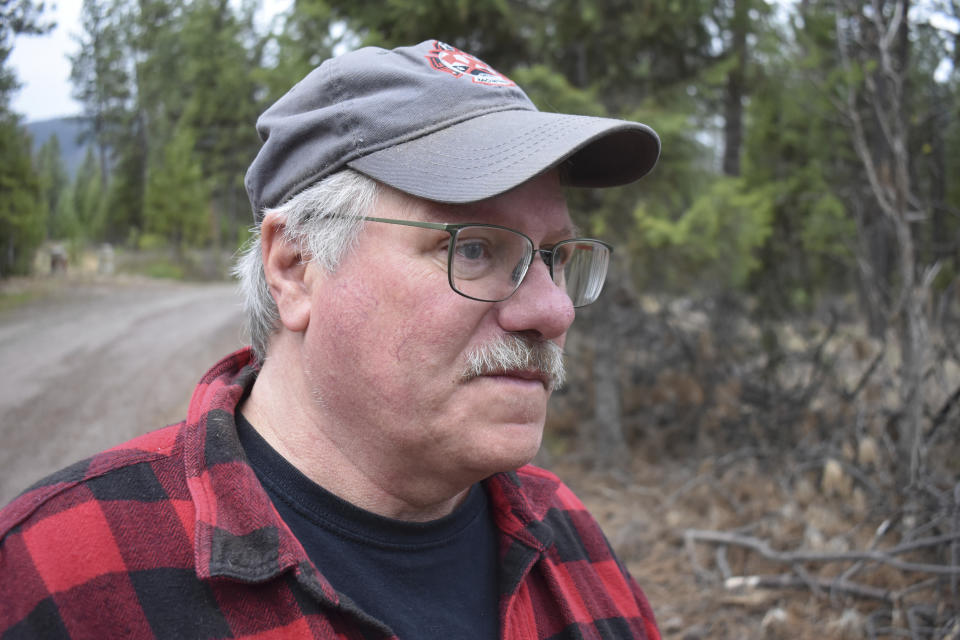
(546, 255)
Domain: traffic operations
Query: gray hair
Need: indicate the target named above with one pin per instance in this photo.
(324, 220)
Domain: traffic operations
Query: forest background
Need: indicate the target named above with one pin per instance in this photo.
(782, 319)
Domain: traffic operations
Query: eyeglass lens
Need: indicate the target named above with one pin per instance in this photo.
(489, 263)
(584, 270)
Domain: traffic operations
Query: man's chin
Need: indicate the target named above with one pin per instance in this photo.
(514, 447)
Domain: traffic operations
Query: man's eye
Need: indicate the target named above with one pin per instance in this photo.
(473, 250)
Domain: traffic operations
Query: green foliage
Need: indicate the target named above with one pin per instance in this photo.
(16, 299)
(151, 242)
(221, 107)
(489, 29)
(221, 102)
(194, 74)
(797, 146)
(304, 41)
(177, 196)
(827, 228)
(152, 32)
(716, 239)
(100, 77)
(123, 206)
(166, 270)
(22, 221)
(22, 214)
(53, 186)
(88, 199)
(551, 91)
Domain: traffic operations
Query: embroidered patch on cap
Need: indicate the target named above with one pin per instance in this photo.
(458, 63)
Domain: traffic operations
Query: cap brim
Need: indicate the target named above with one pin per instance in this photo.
(488, 155)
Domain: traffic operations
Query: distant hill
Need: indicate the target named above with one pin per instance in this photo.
(68, 131)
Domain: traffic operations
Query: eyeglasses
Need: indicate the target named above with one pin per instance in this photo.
(488, 262)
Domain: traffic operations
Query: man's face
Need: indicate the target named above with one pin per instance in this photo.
(388, 340)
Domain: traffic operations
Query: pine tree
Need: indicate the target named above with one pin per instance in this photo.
(53, 183)
(221, 107)
(21, 211)
(100, 77)
(177, 197)
(22, 223)
(87, 198)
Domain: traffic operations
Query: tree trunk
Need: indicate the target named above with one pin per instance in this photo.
(734, 91)
(603, 437)
(609, 443)
(880, 136)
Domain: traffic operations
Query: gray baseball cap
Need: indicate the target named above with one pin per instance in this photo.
(436, 123)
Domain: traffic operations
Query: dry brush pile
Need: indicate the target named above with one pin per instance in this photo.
(766, 494)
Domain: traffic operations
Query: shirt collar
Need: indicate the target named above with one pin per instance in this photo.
(238, 533)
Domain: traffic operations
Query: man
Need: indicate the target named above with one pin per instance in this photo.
(359, 473)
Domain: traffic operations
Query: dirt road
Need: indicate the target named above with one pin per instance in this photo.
(90, 365)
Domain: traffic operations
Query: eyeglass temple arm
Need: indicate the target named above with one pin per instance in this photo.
(439, 226)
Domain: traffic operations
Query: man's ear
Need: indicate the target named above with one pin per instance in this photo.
(285, 270)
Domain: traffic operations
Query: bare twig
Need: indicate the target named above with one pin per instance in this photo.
(881, 531)
(701, 573)
(687, 486)
(918, 586)
(941, 416)
(722, 564)
(865, 378)
(849, 468)
(811, 581)
(955, 545)
(912, 624)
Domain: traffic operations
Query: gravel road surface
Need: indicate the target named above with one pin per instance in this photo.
(90, 365)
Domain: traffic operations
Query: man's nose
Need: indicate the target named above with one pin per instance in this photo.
(539, 305)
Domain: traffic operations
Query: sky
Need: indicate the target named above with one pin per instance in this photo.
(43, 68)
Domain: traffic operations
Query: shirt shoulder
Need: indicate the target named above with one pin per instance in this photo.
(144, 469)
(90, 529)
(579, 558)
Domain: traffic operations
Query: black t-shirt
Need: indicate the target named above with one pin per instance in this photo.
(424, 580)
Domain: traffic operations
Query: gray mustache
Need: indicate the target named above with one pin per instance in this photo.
(518, 352)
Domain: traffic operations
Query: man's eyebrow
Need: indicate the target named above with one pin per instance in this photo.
(566, 232)
(571, 231)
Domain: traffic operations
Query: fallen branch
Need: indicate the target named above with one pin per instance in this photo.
(823, 584)
(701, 573)
(820, 586)
(792, 557)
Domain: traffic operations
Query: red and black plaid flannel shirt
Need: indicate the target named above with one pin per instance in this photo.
(172, 536)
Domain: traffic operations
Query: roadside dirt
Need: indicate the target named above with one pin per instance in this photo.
(91, 363)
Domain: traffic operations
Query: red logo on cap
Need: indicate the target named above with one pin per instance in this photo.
(457, 63)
